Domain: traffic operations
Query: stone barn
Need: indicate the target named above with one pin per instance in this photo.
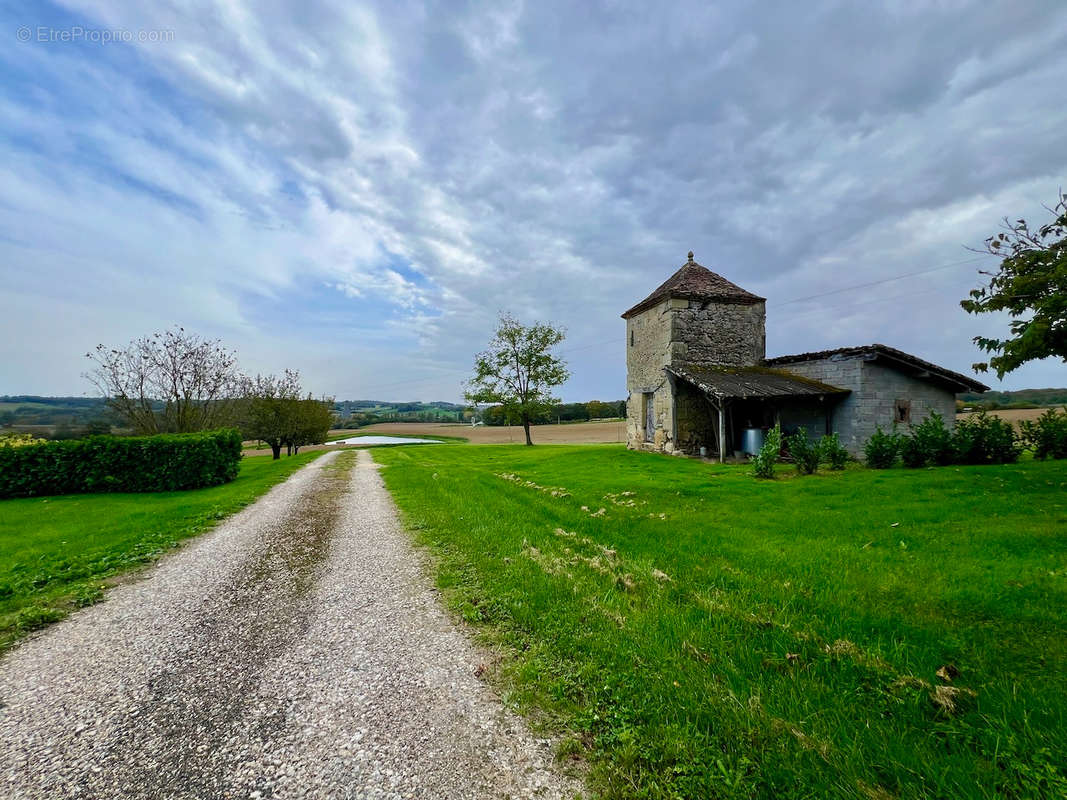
(699, 380)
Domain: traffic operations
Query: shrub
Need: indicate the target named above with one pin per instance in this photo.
(113, 464)
(833, 452)
(804, 451)
(911, 452)
(764, 461)
(1047, 435)
(932, 440)
(881, 449)
(985, 440)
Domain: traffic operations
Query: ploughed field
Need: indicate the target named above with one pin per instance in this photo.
(59, 553)
(569, 433)
(695, 632)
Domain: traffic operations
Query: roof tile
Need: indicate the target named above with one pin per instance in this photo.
(695, 282)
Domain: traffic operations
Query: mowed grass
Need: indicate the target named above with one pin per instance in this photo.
(727, 637)
(59, 553)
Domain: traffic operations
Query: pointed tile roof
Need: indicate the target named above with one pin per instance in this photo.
(694, 282)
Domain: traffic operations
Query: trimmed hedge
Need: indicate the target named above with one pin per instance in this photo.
(121, 464)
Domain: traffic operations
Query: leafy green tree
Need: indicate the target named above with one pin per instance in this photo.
(518, 371)
(598, 410)
(1031, 285)
(270, 410)
(310, 423)
(496, 416)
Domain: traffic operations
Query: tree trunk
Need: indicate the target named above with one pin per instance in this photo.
(526, 428)
(276, 450)
(288, 449)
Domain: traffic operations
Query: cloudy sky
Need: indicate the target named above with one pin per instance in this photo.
(357, 190)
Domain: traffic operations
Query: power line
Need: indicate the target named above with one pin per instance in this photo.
(856, 303)
(878, 282)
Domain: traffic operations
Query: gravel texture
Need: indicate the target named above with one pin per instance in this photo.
(296, 651)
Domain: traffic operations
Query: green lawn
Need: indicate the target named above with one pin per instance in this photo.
(711, 635)
(57, 552)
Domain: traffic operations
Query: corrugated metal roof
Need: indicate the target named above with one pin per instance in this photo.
(695, 282)
(751, 382)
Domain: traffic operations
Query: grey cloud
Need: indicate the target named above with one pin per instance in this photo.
(559, 159)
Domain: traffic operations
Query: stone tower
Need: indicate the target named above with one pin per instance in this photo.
(695, 318)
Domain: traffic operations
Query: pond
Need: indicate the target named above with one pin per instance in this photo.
(382, 440)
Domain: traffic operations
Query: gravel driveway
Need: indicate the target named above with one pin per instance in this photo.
(296, 651)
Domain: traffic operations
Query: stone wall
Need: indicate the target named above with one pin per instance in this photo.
(719, 333)
(696, 420)
(810, 413)
(883, 386)
(875, 391)
(648, 345)
(679, 331)
(844, 373)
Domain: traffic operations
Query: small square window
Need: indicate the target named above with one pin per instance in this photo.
(902, 411)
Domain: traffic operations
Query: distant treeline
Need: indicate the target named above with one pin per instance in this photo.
(1023, 398)
(64, 417)
(564, 412)
(357, 413)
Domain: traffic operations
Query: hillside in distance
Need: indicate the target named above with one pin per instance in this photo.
(1021, 398)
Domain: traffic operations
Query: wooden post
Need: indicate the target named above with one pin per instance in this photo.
(722, 430)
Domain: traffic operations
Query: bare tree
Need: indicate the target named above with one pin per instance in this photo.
(518, 371)
(169, 382)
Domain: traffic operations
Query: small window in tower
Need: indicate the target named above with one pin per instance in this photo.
(903, 411)
(631, 338)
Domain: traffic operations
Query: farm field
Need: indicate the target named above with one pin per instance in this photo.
(694, 632)
(58, 553)
(1013, 415)
(571, 433)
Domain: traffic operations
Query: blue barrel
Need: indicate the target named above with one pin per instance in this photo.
(752, 441)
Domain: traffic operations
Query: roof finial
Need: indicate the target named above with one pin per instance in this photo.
(690, 256)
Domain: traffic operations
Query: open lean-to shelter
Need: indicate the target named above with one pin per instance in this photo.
(699, 381)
